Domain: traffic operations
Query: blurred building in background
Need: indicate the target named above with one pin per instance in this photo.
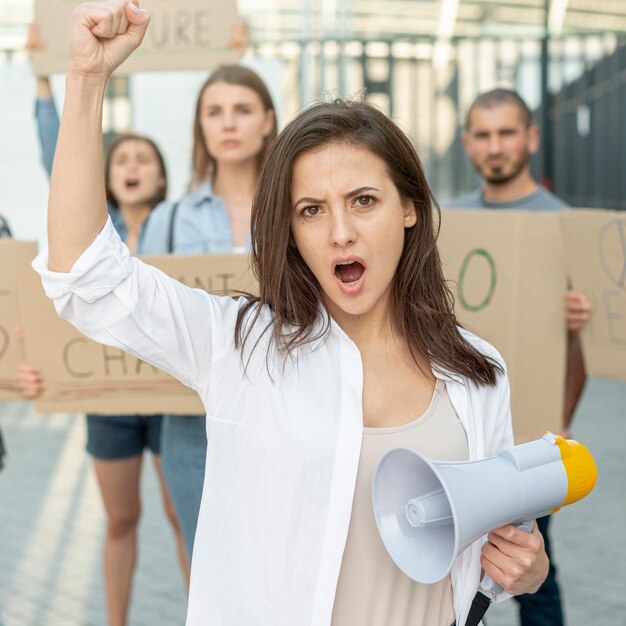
(423, 62)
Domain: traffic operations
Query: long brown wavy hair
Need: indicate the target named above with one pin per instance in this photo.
(422, 305)
(202, 161)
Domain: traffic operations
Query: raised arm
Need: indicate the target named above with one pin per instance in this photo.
(46, 114)
(102, 36)
(47, 120)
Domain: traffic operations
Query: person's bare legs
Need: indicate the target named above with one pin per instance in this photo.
(119, 486)
(171, 514)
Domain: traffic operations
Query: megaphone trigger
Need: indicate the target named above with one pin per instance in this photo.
(488, 586)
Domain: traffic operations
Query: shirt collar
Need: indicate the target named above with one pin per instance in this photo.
(515, 203)
(438, 372)
(446, 375)
(201, 193)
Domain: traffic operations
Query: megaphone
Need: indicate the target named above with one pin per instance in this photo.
(427, 511)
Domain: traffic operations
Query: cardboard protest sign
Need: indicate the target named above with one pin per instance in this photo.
(12, 255)
(595, 241)
(507, 273)
(190, 35)
(82, 375)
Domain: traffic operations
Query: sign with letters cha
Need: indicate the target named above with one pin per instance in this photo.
(189, 35)
(82, 375)
(507, 273)
(13, 254)
(596, 253)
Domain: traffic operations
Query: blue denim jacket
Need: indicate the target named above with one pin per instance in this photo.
(48, 130)
(201, 225)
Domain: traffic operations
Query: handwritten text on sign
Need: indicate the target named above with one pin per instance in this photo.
(190, 35)
(82, 375)
(596, 247)
(477, 280)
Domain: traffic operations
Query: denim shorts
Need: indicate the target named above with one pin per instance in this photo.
(114, 437)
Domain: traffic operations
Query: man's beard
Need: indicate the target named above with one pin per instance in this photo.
(495, 177)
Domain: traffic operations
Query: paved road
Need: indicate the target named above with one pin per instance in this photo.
(590, 537)
(51, 526)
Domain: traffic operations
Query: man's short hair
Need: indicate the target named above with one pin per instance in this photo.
(498, 97)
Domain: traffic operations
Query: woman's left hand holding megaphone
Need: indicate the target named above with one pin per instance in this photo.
(515, 559)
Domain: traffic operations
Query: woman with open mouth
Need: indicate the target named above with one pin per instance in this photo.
(351, 348)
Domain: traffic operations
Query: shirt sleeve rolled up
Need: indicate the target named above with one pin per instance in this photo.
(120, 301)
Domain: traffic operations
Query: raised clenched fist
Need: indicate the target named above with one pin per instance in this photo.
(104, 34)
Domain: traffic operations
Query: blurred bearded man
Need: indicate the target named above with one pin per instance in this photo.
(499, 139)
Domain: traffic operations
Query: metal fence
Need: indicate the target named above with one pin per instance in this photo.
(427, 86)
(587, 125)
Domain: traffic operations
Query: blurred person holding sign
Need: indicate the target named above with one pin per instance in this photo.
(499, 140)
(346, 341)
(135, 180)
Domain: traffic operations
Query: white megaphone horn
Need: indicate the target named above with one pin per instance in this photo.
(427, 511)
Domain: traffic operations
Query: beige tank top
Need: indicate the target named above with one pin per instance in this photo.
(371, 590)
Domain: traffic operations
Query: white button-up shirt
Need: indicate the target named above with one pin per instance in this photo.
(284, 437)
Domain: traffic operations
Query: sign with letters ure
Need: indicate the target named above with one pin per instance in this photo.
(507, 273)
(189, 35)
(12, 254)
(82, 375)
(596, 251)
